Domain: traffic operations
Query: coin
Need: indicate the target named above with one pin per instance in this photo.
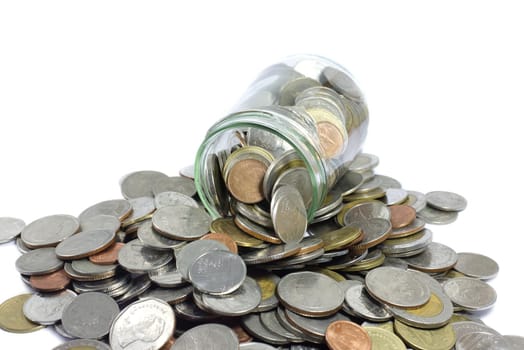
(330, 137)
(417, 200)
(339, 238)
(271, 253)
(150, 238)
(100, 222)
(437, 257)
(240, 302)
(143, 207)
(459, 290)
(192, 251)
(84, 244)
(256, 230)
(476, 265)
(254, 213)
(38, 262)
(245, 180)
(137, 258)
(348, 183)
(289, 214)
(382, 339)
(482, 340)
(270, 320)
(446, 201)
(387, 182)
(375, 231)
(12, 318)
(267, 283)
(181, 222)
(401, 215)
(188, 171)
(170, 198)
(342, 83)
(362, 305)
(415, 226)
(342, 335)
(119, 208)
(253, 325)
(465, 327)
(87, 268)
(78, 316)
(46, 309)
(431, 339)
(256, 346)
(167, 277)
(395, 196)
(363, 162)
(515, 342)
(10, 228)
(313, 328)
(83, 344)
(107, 256)
(371, 184)
(140, 183)
(224, 239)
(49, 231)
(137, 287)
(187, 310)
(407, 246)
(52, 282)
(175, 184)
(144, 324)
(297, 177)
(207, 336)
(436, 216)
(227, 226)
(365, 211)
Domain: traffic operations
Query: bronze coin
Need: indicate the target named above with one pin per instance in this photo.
(401, 215)
(331, 140)
(346, 335)
(50, 282)
(241, 334)
(168, 344)
(108, 256)
(244, 180)
(224, 239)
(416, 226)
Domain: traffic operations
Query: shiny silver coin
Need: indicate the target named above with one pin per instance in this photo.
(482, 341)
(217, 272)
(240, 302)
(477, 266)
(170, 198)
(403, 247)
(140, 183)
(437, 257)
(84, 244)
(375, 231)
(136, 287)
(143, 207)
(271, 253)
(181, 222)
(348, 183)
(436, 216)
(270, 320)
(344, 286)
(466, 327)
(150, 238)
(47, 308)
(342, 83)
(367, 210)
(446, 201)
(256, 346)
(363, 162)
(289, 214)
(277, 167)
(297, 177)
(20, 245)
(369, 185)
(417, 200)
(78, 316)
(167, 277)
(215, 183)
(187, 310)
(396, 287)
(135, 257)
(296, 260)
(253, 325)
(38, 262)
(327, 215)
(207, 336)
(310, 293)
(107, 285)
(345, 260)
(119, 208)
(395, 196)
(189, 253)
(362, 305)
(83, 344)
(460, 290)
(315, 327)
(514, 341)
(169, 295)
(387, 182)
(175, 184)
(332, 203)
(254, 214)
(144, 324)
(86, 268)
(10, 228)
(100, 222)
(49, 231)
(188, 171)
(283, 320)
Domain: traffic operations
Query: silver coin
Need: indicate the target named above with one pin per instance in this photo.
(217, 272)
(283, 320)
(396, 287)
(10, 228)
(437, 257)
(87, 268)
(207, 336)
(49, 231)
(107, 285)
(482, 341)
(119, 208)
(241, 302)
(466, 327)
(90, 315)
(476, 265)
(137, 287)
(170, 198)
(297, 177)
(181, 222)
(254, 326)
(218, 195)
(175, 184)
(327, 215)
(342, 83)
(310, 293)
(348, 183)
(414, 227)
(20, 245)
(346, 260)
(297, 259)
(255, 214)
(137, 258)
(83, 344)
(47, 308)
(187, 310)
(38, 262)
(289, 214)
(256, 346)
(169, 295)
(514, 341)
(363, 162)
(167, 277)
(387, 182)
(375, 231)
(84, 244)
(446, 201)
(140, 183)
(407, 246)
(470, 294)
(365, 211)
(59, 329)
(362, 305)
(270, 320)
(436, 216)
(293, 88)
(332, 203)
(417, 200)
(189, 253)
(315, 327)
(143, 207)
(188, 171)
(144, 324)
(395, 196)
(271, 253)
(369, 185)
(100, 222)
(150, 238)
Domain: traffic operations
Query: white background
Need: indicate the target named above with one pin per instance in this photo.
(90, 91)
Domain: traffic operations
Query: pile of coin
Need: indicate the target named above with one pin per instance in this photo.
(153, 270)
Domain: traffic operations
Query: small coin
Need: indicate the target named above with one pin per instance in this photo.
(342, 335)
(382, 339)
(256, 346)
(192, 251)
(87, 268)
(100, 222)
(140, 183)
(137, 287)
(145, 324)
(446, 201)
(401, 215)
(459, 290)
(47, 308)
(150, 238)
(175, 184)
(119, 208)
(407, 246)
(314, 328)
(462, 328)
(49, 231)
(240, 302)
(267, 283)
(187, 310)
(254, 213)
(181, 222)
(387, 182)
(477, 266)
(371, 184)
(432, 339)
(107, 256)
(207, 336)
(297, 177)
(481, 341)
(342, 83)
(39, 262)
(437, 257)
(170, 198)
(52, 282)
(84, 244)
(330, 137)
(289, 214)
(12, 318)
(437, 216)
(137, 258)
(83, 344)
(342, 237)
(271, 253)
(227, 226)
(417, 200)
(10, 228)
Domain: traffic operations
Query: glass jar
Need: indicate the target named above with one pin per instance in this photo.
(303, 118)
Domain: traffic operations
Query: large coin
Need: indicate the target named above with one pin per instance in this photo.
(437, 216)
(181, 222)
(100, 222)
(207, 336)
(481, 341)
(253, 325)
(12, 318)
(84, 244)
(10, 228)
(431, 339)
(150, 238)
(446, 201)
(168, 198)
(382, 339)
(38, 262)
(49, 231)
(289, 214)
(362, 305)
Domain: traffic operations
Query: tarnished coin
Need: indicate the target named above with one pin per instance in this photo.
(38, 262)
(150, 238)
(49, 231)
(217, 272)
(170, 198)
(363, 162)
(181, 222)
(341, 335)
(137, 258)
(143, 207)
(396, 287)
(46, 309)
(144, 324)
(83, 344)
(460, 292)
(446, 201)
(51, 282)
(192, 251)
(107, 256)
(100, 222)
(477, 266)
(310, 294)
(12, 318)
(224, 239)
(432, 339)
(271, 253)
(362, 305)
(175, 184)
(436, 216)
(140, 183)
(207, 336)
(78, 316)
(382, 339)
(365, 211)
(437, 257)
(10, 228)
(242, 301)
(401, 215)
(227, 226)
(84, 244)
(289, 214)
(482, 341)
(254, 326)
(119, 208)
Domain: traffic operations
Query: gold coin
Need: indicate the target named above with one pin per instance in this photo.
(373, 194)
(12, 317)
(427, 339)
(267, 284)
(340, 238)
(331, 139)
(327, 272)
(227, 226)
(345, 209)
(432, 308)
(453, 274)
(387, 326)
(382, 339)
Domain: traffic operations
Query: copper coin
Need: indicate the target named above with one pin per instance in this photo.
(168, 344)
(331, 140)
(245, 179)
(401, 215)
(51, 282)
(108, 256)
(241, 334)
(224, 239)
(346, 335)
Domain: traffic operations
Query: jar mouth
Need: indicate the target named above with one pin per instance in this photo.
(272, 120)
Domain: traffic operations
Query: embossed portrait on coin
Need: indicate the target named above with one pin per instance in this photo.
(135, 334)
